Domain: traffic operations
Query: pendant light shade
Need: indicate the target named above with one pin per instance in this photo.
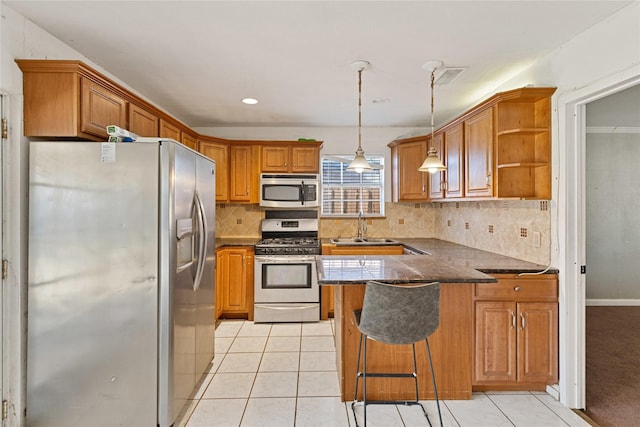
(432, 163)
(359, 164)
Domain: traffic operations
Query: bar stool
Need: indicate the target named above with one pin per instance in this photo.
(395, 314)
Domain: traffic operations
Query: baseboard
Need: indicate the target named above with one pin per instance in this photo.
(553, 391)
(613, 302)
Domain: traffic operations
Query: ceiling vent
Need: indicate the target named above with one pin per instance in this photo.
(447, 75)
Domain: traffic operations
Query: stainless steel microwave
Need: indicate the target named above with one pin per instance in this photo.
(290, 190)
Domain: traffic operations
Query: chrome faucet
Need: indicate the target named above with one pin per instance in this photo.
(362, 226)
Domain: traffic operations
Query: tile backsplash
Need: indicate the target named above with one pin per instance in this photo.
(521, 229)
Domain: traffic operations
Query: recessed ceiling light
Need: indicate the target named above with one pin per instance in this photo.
(250, 101)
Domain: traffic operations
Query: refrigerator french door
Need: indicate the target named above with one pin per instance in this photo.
(120, 302)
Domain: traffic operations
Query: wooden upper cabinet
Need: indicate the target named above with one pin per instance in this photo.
(169, 130)
(523, 144)
(218, 152)
(410, 184)
(100, 108)
(142, 122)
(501, 148)
(275, 159)
(478, 146)
(454, 159)
(244, 178)
(189, 140)
(305, 159)
(68, 99)
(290, 158)
(436, 181)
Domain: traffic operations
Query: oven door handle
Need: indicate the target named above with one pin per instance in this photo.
(284, 258)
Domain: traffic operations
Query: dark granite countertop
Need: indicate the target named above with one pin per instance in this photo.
(484, 261)
(343, 269)
(442, 261)
(233, 241)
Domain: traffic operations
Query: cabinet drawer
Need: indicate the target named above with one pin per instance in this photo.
(516, 290)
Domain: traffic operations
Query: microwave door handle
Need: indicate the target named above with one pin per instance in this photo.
(302, 195)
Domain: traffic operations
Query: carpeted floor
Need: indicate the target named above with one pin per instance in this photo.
(613, 365)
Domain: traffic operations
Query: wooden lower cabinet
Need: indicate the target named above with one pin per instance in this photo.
(451, 349)
(234, 282)
(516, 333)
(327, 296)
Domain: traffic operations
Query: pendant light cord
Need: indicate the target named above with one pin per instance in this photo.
(433, 80)
(360, 108)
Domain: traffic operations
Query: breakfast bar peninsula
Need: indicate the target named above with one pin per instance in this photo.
(460, 362)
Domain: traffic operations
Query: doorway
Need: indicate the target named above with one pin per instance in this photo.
(571, 227)
(612, 248)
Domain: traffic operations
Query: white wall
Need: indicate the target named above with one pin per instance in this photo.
(613, 223)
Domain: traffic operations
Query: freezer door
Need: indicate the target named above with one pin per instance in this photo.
(205, 294)
(93, 284)
(186, 297)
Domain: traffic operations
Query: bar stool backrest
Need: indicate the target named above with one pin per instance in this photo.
(400, 314)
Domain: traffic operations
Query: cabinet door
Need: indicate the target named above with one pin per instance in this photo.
(167, 130)
(538, 342)
(235, 284)
(218, 153)
(412, 183)
(478, 146)
(240, 172)
(275, 159)
(222, 271)
(305, 159)
(142, 122)
(454, 157)
(100, 108)
(436, 181)
(190, 141)
(495, 341)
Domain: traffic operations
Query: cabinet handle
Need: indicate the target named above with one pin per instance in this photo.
(522, 320)
(513, 320)
(423, 189)
(517, 289)
(489, 180)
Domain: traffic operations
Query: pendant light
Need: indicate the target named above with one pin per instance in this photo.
(432, 163)
(359, 164)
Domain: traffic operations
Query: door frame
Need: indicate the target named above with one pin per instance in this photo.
(3, 334)
(571, 227)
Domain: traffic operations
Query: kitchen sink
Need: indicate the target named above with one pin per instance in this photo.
(364, 241)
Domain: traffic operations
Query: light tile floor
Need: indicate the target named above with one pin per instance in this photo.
(284, 375)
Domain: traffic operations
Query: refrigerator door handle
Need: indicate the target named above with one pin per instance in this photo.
(202, 230)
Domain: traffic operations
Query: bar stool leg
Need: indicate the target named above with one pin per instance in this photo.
(433, 378)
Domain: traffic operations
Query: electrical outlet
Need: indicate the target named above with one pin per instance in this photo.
(536, 239)
(420, 224)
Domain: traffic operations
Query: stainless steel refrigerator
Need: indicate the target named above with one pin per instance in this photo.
(120, 307)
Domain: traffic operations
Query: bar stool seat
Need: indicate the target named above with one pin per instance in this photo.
(396, 314)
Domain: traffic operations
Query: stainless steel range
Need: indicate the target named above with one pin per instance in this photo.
(286, 283)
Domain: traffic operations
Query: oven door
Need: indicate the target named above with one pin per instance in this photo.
(286, 279)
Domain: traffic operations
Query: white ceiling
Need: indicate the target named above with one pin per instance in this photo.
(198, 59)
